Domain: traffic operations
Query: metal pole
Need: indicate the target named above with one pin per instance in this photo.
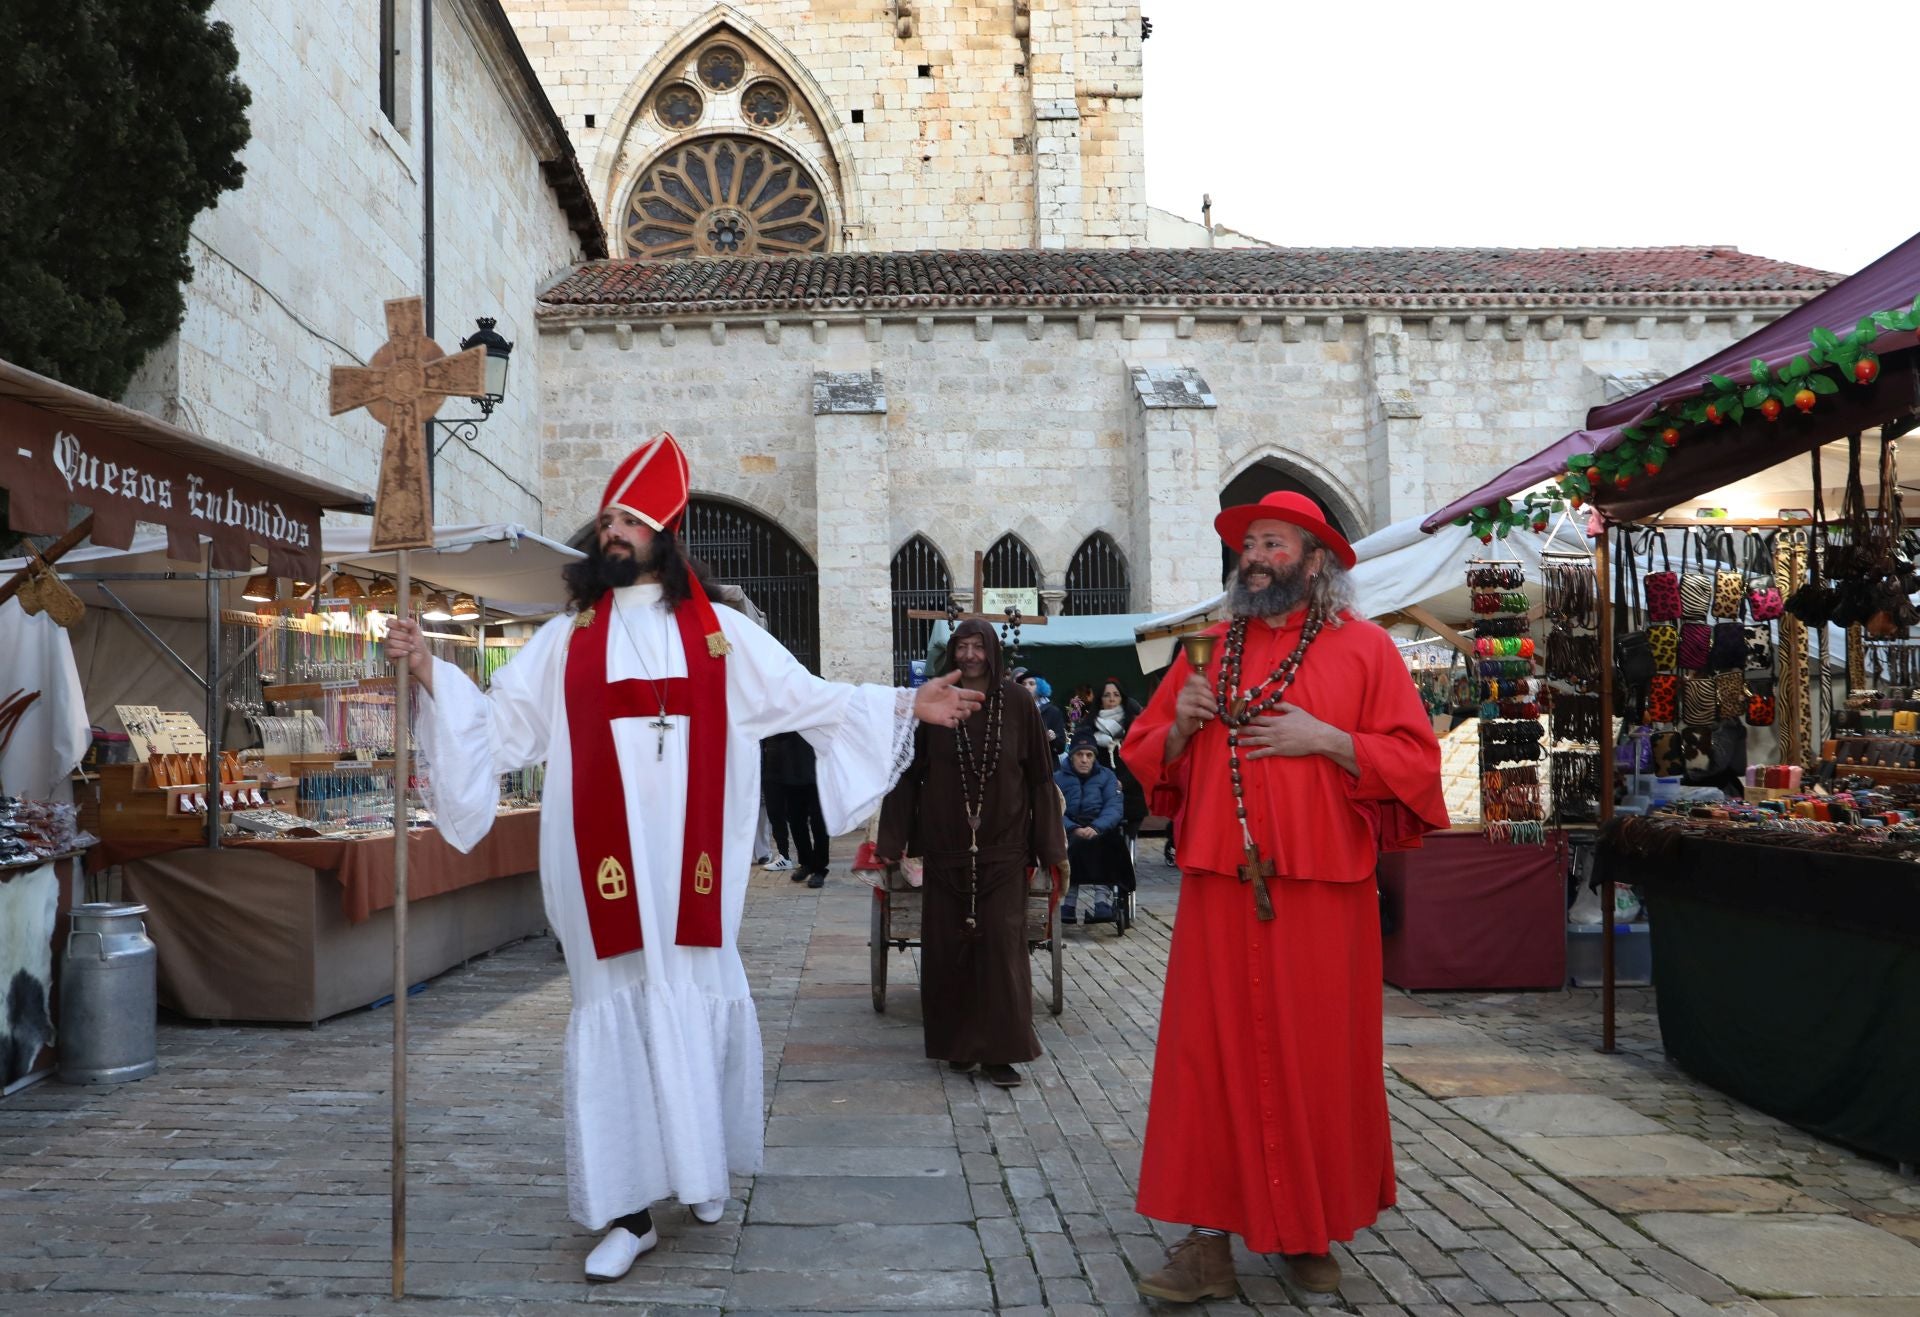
(404, 586)
(1602, 584)
(214, 704)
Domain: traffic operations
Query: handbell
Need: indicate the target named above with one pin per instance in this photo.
(1199, 649)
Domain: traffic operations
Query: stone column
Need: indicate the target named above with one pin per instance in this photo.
(1175, 483)
(850, 491)
(1396, 464)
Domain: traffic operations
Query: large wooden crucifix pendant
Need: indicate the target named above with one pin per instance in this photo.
(1256, 871)
(401, 387)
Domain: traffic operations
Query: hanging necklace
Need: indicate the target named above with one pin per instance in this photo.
(1237, 710)
(660, 724)
(973, 791)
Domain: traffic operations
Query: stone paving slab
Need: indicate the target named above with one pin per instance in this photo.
(249, 1176)
(1792, 1256)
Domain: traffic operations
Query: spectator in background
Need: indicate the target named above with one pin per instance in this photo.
(1093, 822)
(793, 799)
(1050, 714)
(1110, 722)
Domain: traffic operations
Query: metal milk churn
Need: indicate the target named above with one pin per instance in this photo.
(107, 996)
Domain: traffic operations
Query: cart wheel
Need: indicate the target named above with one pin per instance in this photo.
(1059, 1000)
(1121, 915)
(877, 951)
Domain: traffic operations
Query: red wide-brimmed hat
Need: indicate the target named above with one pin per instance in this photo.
(652, 483)
(1282, 505)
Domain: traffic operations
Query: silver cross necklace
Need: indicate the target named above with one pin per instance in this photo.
(660, 724)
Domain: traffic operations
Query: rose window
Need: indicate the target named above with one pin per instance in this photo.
(721, 68)
(765, 104)
(678, 106)
(725, 196)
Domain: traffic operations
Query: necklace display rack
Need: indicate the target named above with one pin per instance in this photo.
(1510, 730)
(1570, 687)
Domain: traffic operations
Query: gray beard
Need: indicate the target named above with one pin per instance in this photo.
(1286, 591)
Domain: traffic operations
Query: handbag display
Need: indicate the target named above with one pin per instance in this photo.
(1759, 647)
(1663, 640)
(1633, 659)
(1729, 648)
(1764, 602)
(1696, 584)
(1700, 702)
(1760, 702)
(1731, 687)
(1729, 583)
(1696, 645)
(1663, 698)
(1662, 587)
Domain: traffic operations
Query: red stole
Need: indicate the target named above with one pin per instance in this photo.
(601, 837)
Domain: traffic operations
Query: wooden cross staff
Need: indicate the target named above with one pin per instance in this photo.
(979, 589)
(405, 384)
(407, 381)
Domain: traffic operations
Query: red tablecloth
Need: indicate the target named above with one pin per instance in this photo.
(1468, 914)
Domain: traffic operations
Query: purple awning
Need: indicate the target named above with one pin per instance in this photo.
(1890, 283)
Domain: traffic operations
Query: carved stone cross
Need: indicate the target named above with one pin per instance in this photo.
(1257, 871)
(405, 384)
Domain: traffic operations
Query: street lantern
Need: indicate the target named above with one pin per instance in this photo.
(498, 351)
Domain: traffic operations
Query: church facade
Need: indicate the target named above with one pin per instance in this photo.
(886, 269)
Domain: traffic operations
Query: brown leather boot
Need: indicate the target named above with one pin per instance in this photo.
(1316, 1273)
(1198, 1267)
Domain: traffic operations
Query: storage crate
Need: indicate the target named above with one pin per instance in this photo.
(1632, 955)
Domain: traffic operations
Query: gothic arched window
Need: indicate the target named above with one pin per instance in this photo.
(726, 196)
(920, 581)
(1010, 565)
(1097, 578)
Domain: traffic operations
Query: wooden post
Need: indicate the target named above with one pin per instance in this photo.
(403, 385)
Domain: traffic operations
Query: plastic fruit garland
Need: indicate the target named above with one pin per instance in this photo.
(1644, 448)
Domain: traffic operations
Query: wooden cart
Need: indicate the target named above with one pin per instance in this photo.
(896, 925)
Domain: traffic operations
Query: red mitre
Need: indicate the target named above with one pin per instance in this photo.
(652, 484)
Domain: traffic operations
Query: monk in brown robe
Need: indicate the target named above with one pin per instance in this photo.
(986, 784)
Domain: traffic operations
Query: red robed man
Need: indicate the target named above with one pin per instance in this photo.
(1306, 752)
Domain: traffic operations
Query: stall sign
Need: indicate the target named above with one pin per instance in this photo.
(48, 461)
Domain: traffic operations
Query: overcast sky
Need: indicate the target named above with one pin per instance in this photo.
(1463, 123)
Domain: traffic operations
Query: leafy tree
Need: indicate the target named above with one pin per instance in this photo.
(120, 121)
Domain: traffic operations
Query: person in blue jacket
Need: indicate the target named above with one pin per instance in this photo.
(1094, 810)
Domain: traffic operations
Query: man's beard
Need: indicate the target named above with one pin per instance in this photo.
(1286, 588)
(619, 570)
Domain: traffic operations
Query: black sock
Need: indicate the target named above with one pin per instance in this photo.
(638, 1222)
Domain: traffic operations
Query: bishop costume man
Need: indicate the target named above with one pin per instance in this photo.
(648, 706)
(1306, 752)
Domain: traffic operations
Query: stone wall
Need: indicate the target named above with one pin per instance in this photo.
(291, 270)
(1037, 425)
(981, 151)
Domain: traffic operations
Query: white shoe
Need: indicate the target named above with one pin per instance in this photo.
(708, 1213)
(613, 1256)
(778, 864)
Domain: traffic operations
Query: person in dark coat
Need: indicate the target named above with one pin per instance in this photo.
(1094, 810)
(1050, 713)
(1112, 718)
(979, 806)
(793, 802)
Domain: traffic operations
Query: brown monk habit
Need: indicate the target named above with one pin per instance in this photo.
(976, 991)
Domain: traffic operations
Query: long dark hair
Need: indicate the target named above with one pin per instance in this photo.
(595, 574)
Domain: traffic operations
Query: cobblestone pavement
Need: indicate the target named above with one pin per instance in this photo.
(1539, 1178)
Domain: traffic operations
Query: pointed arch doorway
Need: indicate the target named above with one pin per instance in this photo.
(1270, 477)
(741, 547)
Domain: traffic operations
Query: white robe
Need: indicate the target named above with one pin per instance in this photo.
(663, 1057)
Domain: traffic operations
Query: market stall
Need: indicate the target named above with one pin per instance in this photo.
(1762, 889)
(289, 916)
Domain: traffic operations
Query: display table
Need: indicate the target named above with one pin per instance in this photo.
(1789, 979)
(302, 930)
(1467, 914)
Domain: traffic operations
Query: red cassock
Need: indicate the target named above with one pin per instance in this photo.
(1269, 1109)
